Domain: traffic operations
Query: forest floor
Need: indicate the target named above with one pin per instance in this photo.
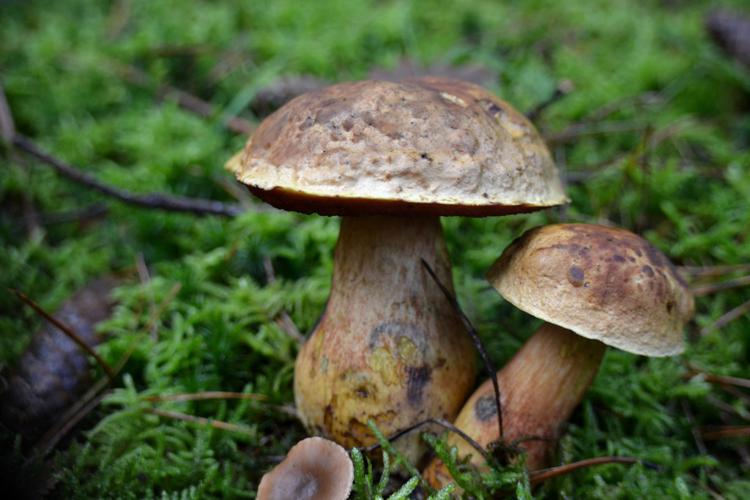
(654, 137)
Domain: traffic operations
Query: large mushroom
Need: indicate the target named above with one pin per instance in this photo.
(595, 286)
(392, 158)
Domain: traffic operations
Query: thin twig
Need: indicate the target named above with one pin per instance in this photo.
(573, 130)
(285, 322)
(184, 99)
(7, 125)
(570, 134)
(563, 88)
(216, 424)
(717, 379)
(441, 423)
(540, 475)
(725, 407)
(160, 201)
(586, 172)
(66, 330)
(7, 132)
(240, 193)
(200, 396)
(699, 443)
(701, 290)
(70, 423)
(156, 313)
(729, 431)
(477, 342)
(88, 401)
(80, 215)
(712, 271)
(117, 19)
(728, 317)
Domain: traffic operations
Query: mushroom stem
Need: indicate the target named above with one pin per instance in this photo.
(540, 386)
(387, 347)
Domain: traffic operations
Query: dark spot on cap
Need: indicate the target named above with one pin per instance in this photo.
(654, 255)
(485, 408)
(647, 270)
(362, 391)
(425, 156)
(347, 124)
(575, 276)
(328, 416)
(670, 306)
(305, 124)
(618, 258)
(368, 119)
(416, 379)
(492, 109)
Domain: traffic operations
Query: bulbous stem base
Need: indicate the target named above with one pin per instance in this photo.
(388, 347)
(540, 387)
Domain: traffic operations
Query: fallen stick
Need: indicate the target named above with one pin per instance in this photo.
(537, 476)
(729, 431)
(728, 317)
(216, 424)
(184, 99)
(702, 290)
(197, 206)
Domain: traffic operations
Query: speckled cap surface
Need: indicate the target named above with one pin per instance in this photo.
(602, 283)
(425, 146)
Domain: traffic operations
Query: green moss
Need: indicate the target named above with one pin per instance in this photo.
(669, 160)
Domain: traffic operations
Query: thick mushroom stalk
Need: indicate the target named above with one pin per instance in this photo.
(388, 347)
(540, 387)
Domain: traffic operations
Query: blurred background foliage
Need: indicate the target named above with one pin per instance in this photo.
(654, 137)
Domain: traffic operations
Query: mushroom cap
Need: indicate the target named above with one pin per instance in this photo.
(429, 146)
(602, 283)
(315, 468)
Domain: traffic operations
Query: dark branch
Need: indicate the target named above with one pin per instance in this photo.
(66, 330)
(727, 317)
(563, 88)
(729, 431)
(195, 206)
(439, 422)
(7, 127)
(702, 290)
(477, 342)
(537, 476)
(184, 99)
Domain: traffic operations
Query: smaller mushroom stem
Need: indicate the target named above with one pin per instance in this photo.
(540, 386)
(543, 384)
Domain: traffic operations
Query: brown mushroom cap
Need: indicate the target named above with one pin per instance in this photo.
(430, 146)
(314, 468)
(602, 283)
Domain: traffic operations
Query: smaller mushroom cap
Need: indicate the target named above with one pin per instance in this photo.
(314, 469)
(602, 283)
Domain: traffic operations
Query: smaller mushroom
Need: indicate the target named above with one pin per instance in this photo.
(596, 286)
(314, 469)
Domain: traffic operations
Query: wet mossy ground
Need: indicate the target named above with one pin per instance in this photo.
(653, 138)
